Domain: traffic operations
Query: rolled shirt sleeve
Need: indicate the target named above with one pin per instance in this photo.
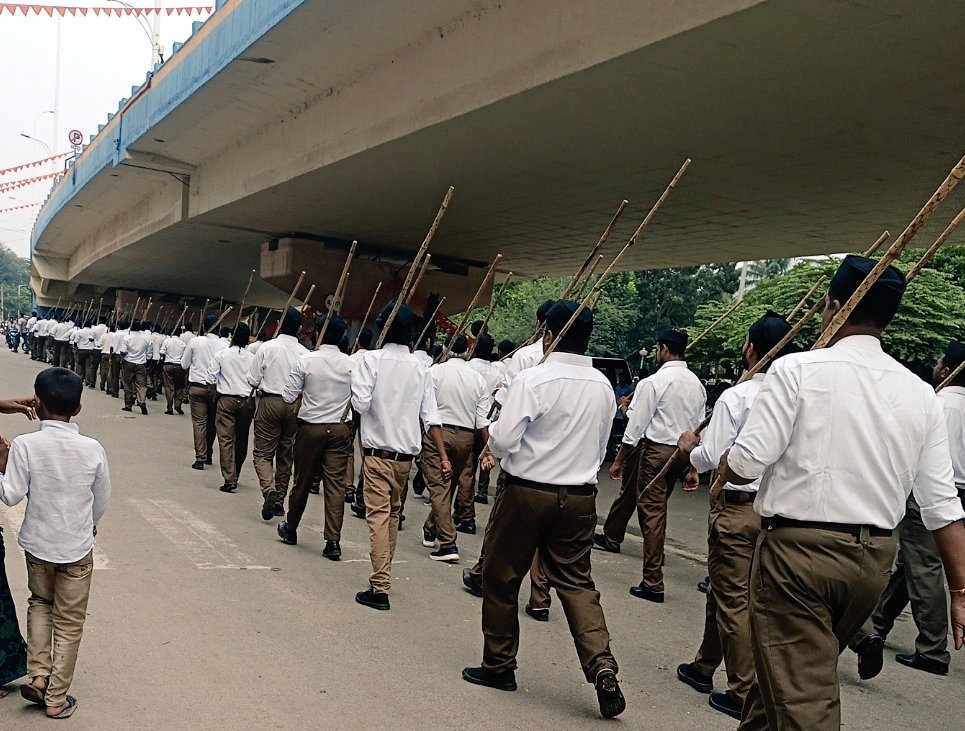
(767, 431)
(934, 487)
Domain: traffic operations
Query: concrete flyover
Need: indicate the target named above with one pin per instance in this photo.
(282, 130)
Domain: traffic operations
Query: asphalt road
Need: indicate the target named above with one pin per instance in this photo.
(200, 618)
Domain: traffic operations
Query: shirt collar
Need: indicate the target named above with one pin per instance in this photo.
(570, 359)
(674, 364)
(758, 376)
(213, 335)
(63, 425)
(955, 389)
(395, 346)
(328, 348)
(865, 342)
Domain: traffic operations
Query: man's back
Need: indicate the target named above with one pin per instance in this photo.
(665, 405)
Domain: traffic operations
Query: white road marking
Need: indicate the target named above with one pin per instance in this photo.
(12, 519)
(205, 546)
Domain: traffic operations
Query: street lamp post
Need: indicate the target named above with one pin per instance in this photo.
(153, 34)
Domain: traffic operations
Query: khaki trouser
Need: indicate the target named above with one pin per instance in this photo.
(135, 382)
(320, 448)
(385, 480)
(175, 386)
(810, 592)
(458, 445)
(561, 525)
(918, 578)
(731, 538)
(114, 377)
(233, 417)
(203, 414)
(275, 426)
(539, 590)
(56, 611)
(651, 506)
(105, 368)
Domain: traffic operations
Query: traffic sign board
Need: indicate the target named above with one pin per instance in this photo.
(75, 137)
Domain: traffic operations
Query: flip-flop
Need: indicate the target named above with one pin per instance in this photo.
(69, 710)
(32, 693)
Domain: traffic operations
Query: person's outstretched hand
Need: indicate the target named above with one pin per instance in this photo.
(24, 405)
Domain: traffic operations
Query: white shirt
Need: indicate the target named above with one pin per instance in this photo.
(492, 377)
(253, 347)
(273, 362)
(67, 483)
(187, 336)
(172, 349)
(323, 378)
(136, 347)
(498, 370)
(43, 327)
(97, 333)
(730, 415)
(229, 371)
(462, 397)
(73, 336)
(844, 435)
(157, 340)
(31, 324)
(392, 390)
(85, 339)
(665, 405)
(61, 331)
(525, 357)
(555, 422)
(423, 356)
(199, 355)
(953, 402)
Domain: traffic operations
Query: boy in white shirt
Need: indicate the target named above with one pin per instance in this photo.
(66, 481)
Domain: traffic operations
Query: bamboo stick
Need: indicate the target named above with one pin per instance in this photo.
(404, 292)
(596, 250)
(877, 244)
(244, 298)
(951, 376)
(368, 312)
(606, 273)
(578, 292)
(214, 328)
(491, 273)
(489, 314)
(339, 293)
(311, 291)
(894, 251)
(298, 284)
(201, 316)
(432, 317)
(418, 279)
(727, 313)
(184, 314)
(939, 242)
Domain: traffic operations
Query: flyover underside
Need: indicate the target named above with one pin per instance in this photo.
(811, 126)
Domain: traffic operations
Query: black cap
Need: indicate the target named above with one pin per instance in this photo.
(484, 346)
(544, 309)
(577, 338)
(768, 332)
(400, 331)
(674, 339)
(242, 335)
(954, 355)
(881, 302)
(335, 331)
(291, 323)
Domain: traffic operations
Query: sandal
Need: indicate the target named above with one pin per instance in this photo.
(69, 710)
(32, 693)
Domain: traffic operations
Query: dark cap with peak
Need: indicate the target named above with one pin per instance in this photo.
(577, 338)
(954, 355)
(768, 332)
(674, 339)
(881, 301)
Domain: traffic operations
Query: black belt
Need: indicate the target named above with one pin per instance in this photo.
(458, 428)
(199, 385)
(386, 454)
(855, 530)
(738, 497)
(586, 489)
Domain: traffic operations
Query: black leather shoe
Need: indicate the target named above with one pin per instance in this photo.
(127, 408)
(401, 521)
(209, 460)
(919, 662)
(279, 510)
(870, 658)
(540, 615)
(169, 412)
(726, 703)
(374, 599)
(332, 550)
(315, 489)
(350, 495)
(358, 510)
(198, 465)
(641, 592)
(482, 499)
(229, 487)
(178, 410)
(144, 409)
(600, 541)
(470, 583)
(703, 585)
(689, 674)
(609, 695)
(467, 527)
(499, 681)
(268, 509)
(287, 535)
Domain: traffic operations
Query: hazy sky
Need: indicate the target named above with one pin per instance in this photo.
(101, 58)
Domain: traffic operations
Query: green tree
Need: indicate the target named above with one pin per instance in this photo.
(14, 271)
(928, 318)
